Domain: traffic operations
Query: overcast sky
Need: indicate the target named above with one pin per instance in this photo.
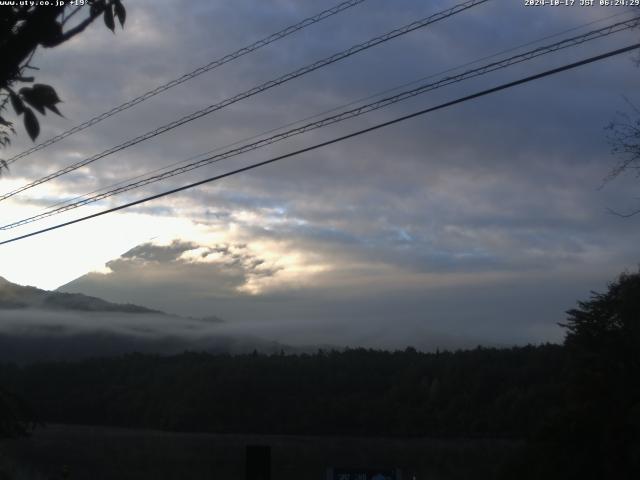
(483, 222)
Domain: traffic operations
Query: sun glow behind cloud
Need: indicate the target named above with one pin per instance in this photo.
(57, 257)
(89, 246)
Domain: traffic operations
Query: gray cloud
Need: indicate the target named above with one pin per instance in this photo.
(495, 202)
(190, 284)
(148, 252)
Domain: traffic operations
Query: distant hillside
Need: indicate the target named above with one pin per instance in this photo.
(38, 325)
(13, 296)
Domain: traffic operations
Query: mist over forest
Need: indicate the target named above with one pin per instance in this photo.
(51, 325)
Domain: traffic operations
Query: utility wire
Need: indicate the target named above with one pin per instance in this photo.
(261, 88)
(370, 107)
(334, 109)
(378, 126)
(188, 76)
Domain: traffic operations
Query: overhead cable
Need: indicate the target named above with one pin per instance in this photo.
(285, 32)
(254, 91)
(335, 140)
(352, 113)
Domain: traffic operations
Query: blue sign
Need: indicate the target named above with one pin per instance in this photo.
(362, 474)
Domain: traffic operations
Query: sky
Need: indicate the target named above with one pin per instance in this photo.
(480, 223)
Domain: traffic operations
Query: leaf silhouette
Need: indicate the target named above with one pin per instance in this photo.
(32, 99)
(108, 19)
(17, 103)
(40, 97)
(120, 11)
(45, 94)
(55, 110)
(31, 123)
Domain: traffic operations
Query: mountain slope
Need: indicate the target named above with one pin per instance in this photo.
(39, 325)
(13, 296)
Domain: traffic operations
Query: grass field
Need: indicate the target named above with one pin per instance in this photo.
(98, 453)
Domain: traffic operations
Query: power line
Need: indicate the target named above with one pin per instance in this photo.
(370, 107)
(378, 126)
(261, 88)
(334, 109)
(285, 32)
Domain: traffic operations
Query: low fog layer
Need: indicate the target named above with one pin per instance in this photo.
(37, 324)
(60, 326)
(32, 334)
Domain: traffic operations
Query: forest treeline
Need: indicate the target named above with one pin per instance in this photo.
(493, 392)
